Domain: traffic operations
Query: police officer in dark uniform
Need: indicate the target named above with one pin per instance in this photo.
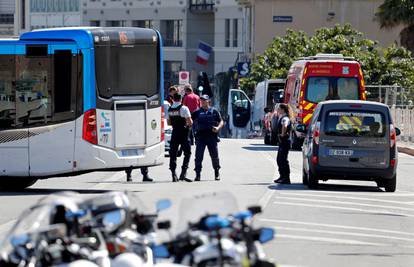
(284, 128)
(179, 117)
(144, 172)
(207, 122)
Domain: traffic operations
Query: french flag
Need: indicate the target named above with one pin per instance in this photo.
(204, 51)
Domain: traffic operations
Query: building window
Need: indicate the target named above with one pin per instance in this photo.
(23, 14)
(227, 33)
(95, 23)
(54, 5)
(6, 18)
(115, 23)
(235, 32)
(171, 70)
(142, 23)
(172, 32)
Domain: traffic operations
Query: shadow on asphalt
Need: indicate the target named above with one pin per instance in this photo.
(327, 187)
(45, 191)
(267, 148)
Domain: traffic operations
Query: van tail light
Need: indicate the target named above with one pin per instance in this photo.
(393, 136)
(162, 123)
(315, 134)
(89, 131)
(315, 160)
(392, 162)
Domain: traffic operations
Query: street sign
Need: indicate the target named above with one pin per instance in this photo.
(243, 69)
(184, 77)
(282, 18)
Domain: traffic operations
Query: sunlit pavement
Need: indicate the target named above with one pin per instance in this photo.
(341, 224)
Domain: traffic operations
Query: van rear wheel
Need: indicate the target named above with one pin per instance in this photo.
(16, 183)
(390, 184)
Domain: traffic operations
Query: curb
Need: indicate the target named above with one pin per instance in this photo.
(406, 150)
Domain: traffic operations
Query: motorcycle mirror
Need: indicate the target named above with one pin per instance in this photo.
(161, 252)
(266, 234)
(19, 240)
(255, 209)
(113, 219)
(163, 204)
(164, 225)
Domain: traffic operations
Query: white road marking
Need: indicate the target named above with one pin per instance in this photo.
(346, 197)
(379, 194)
(342, 208)
(342, 233)
(340, 227)
(346, 203)
(330, 240)
(265, 199)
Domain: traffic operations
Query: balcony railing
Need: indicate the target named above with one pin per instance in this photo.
(202, 6)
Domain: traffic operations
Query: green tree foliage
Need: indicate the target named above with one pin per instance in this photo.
(392, 65)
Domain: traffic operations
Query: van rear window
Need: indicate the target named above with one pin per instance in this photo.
(331, 88)
(355, 124)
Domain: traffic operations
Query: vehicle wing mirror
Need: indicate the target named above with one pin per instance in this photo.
(161, 252)
(163, 204)
(113, 219)
(164, 225)
(266, 234)
(301, 128)
(255, 209)
(19, 240)
(397, 131)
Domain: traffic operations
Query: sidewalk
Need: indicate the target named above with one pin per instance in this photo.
(406, 147)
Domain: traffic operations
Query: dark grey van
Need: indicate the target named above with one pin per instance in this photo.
(352, 140)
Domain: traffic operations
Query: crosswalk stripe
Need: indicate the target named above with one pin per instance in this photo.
(330, 240)
(385, 231)
(343, 208)
(379, 194)
(346, 203)
(348, 197)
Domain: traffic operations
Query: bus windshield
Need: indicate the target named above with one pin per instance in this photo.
(127, 70)
(329, 88)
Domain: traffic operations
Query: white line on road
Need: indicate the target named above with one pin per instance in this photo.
(330, 240)
(340, 227)
(380, 194)
(346, 197)
(346, 203)
(385, 212)
(342, 233)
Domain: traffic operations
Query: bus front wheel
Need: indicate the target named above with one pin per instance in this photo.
(16, 183)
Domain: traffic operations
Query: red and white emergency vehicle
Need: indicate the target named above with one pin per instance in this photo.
(319, 78)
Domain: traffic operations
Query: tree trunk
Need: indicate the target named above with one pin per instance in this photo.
(407, 38)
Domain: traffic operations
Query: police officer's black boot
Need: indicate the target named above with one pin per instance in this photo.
(198, 177)
(128, 175)
(183, 175)
(145, 177)
(174, 177)
(217, 174)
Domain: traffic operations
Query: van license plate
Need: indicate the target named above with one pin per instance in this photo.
(340, 152)
(129, 152)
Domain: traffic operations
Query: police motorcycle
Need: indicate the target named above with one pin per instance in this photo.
(212, 232)
(43, 236)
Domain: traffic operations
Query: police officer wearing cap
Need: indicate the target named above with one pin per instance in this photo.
(179, 117)
(207, 122)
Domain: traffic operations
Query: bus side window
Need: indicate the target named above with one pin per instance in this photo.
(62, 97)
(7, 92)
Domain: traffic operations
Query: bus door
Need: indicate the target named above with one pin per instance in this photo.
(51, 109)
(14, 142)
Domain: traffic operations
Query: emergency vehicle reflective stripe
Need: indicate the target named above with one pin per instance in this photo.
(350, 120)
(308, 106)
(307, 118)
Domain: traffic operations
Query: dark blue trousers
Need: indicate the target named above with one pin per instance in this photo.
(180, 139)
(282, 158)
(209, 141)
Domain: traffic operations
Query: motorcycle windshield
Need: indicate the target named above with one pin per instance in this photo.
(37, 218)
(192, 209)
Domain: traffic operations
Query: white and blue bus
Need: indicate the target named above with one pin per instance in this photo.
(76, 100)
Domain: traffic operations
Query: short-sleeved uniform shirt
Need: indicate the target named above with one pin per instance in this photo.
(205, 120)
(184, 111)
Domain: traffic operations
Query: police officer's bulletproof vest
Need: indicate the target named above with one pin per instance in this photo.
(279, 125)
(177, 122)
(205, 121)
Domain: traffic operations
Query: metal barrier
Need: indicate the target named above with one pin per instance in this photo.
(404, 119)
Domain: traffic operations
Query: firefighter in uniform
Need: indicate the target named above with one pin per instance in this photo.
(179, 117)
(208, 122)
(284, 128)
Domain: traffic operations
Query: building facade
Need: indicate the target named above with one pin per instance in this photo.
(183, 25)
(6, 17)
(273, 17)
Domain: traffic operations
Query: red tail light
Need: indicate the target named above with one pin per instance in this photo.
(393, 136)
(315, 160)
(315, 133)
(392, 162)
(89, 131)
(162, 124)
